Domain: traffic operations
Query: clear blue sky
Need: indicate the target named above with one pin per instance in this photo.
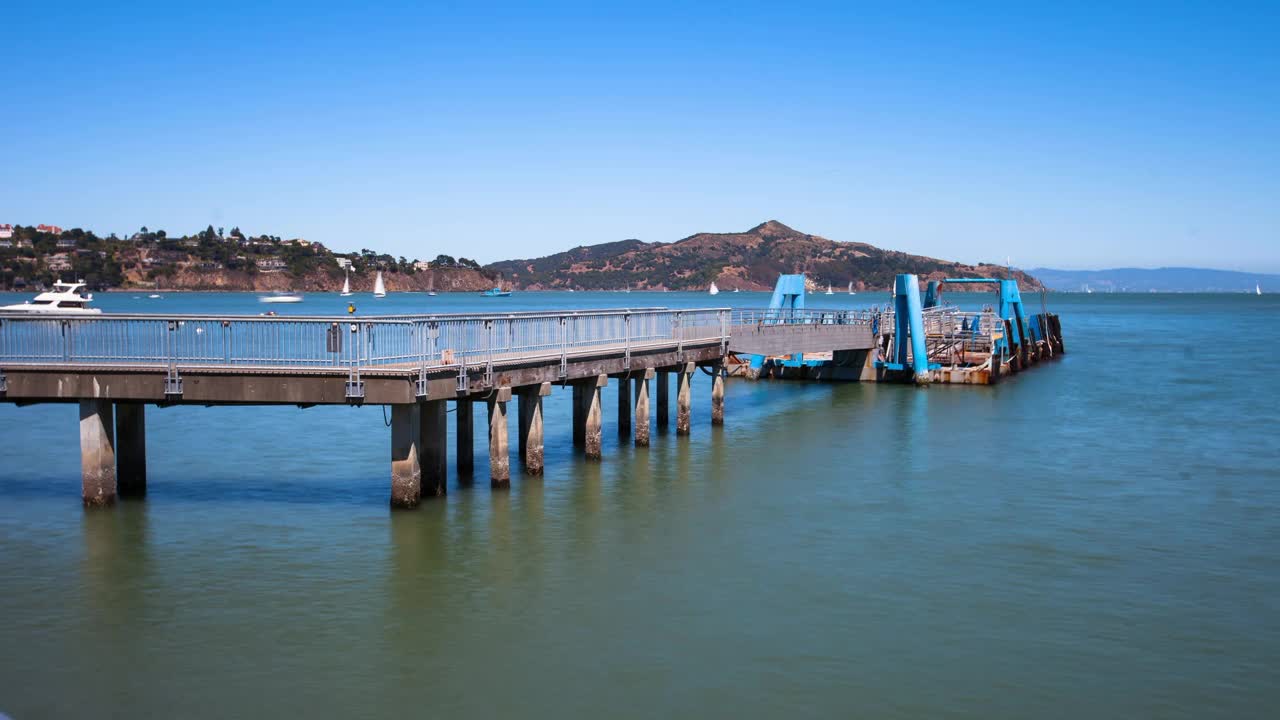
(1073, 136)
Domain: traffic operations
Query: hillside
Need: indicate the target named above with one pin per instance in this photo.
(1168, 279)
(750, 260)
(212, 260)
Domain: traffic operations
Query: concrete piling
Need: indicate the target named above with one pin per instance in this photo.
(624, 406)
(433, 445)
(717, 397)
(531, 426)
(664, 410)
(642, 407)
(465, 438)
(593, 419)
(406, 472)
(684, 399)
(97, 453)
(499, 445)
(131, 450)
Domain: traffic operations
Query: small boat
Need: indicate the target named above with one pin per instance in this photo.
(431, 293)
(737, 290)
(346, 285)
(713, 290)
(496, 291)
(66, 298)
(1257, 289)
(379, 289)
(281, 297)
(829, 292)
(153, 296)
(851, 292)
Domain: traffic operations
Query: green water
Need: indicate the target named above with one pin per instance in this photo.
(1097, 537)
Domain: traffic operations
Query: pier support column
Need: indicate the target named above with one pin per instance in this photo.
(624, 406)
(717, 396)
(406, 472)
(664, 409)
(465, 438)
(642, 407)
(97, 453)
(579, 415)
(684, 399)
(131, 450)
(433, 444)
(591, 417)
(530, 400)
(499, 445)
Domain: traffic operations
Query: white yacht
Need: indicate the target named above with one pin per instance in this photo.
(66, 298)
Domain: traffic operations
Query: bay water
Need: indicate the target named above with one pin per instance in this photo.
(1096, 537)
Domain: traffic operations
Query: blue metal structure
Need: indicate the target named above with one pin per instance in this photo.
(788, 293)
(788, 296)
(908, 325)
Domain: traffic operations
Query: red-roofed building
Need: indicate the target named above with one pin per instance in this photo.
(49, 229)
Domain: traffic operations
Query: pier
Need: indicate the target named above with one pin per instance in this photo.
(115, 365)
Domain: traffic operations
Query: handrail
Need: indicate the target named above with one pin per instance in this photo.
(411, 342)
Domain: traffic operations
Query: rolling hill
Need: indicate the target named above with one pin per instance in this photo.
(750, 260)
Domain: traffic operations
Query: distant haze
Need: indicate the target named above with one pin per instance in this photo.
(1172, 279)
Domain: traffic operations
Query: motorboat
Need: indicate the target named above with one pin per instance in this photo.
(379, 288)
(66, 298)
(281, 297)
(496, 291)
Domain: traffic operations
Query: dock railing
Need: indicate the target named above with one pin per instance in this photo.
(802, 317)
(424, 341)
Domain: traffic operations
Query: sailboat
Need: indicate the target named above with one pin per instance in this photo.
(851, 292)
(1257, 289)
(346, 285)
(379, 289)
(736, 290)
(829, 289)
(713, 290)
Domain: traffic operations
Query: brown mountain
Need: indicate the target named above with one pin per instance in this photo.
(750, 260)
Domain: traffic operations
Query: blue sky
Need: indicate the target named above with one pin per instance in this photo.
(1088, 135)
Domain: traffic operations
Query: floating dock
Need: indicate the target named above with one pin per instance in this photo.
(921, 341)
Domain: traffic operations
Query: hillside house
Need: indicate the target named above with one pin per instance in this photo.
(271, 264)
(6, 231)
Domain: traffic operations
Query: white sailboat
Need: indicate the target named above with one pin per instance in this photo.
(829, 289)
(1257, 289)
(851, 292)
(346, 285)
(713, 290)
(379, 289)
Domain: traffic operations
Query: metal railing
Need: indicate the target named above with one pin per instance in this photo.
(345, 342)
(802, 317)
